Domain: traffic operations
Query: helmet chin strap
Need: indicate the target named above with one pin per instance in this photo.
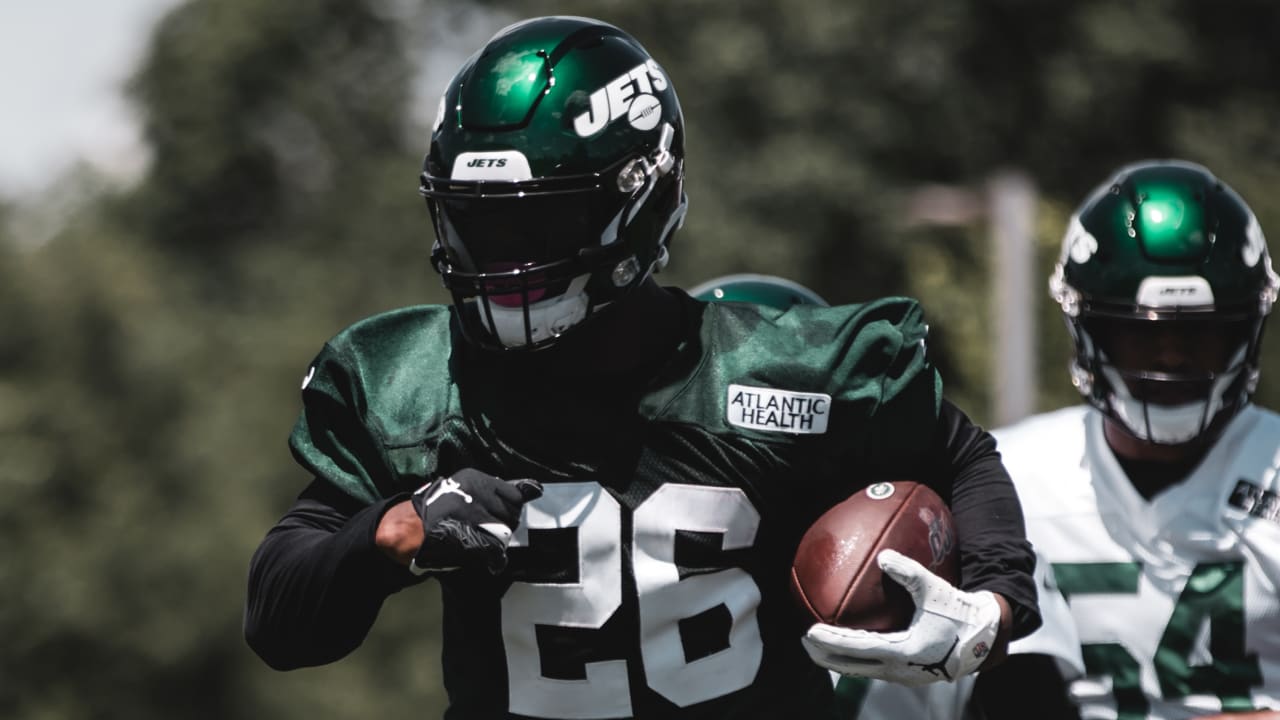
(547, 318)
(1169, 424)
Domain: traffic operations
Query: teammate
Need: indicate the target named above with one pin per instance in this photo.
(607, 477)
(1158, 502)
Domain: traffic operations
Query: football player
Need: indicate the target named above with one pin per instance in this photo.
(607, 477)
(1157, 501)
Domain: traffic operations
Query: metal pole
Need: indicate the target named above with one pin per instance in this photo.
(1011, 200)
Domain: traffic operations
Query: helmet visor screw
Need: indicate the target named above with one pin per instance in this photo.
(625, 272)
(632, 176)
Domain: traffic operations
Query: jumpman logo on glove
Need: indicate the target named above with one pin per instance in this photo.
(447, 485)
(939, 667)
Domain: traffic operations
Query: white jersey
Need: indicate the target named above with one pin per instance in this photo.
(1175, 600)
(860, 698)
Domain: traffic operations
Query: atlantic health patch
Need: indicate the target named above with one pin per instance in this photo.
(773, 410)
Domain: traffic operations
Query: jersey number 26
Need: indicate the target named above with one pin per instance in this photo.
(664, 599)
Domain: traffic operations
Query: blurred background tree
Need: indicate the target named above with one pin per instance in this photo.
(152, 347)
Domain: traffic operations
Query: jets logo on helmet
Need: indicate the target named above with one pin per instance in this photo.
(630, 94)
(510, 165)
(1255, 245)
(1165, 247)
(1079, 243)
(555, 179)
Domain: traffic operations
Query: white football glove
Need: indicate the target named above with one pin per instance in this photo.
(950, 634)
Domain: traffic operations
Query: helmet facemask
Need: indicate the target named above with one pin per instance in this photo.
(1157, 403)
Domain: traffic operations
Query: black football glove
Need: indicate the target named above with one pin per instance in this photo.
(467, 520)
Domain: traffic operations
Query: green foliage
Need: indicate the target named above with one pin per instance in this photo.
(149, 377)
(151, 350)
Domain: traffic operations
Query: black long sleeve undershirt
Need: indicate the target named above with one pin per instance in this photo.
(996, 556)
(317, 581)
(1022, 685)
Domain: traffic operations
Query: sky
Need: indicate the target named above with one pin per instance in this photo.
(63, 66)
(64, 63)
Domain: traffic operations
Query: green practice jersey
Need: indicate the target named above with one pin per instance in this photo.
(651, 578)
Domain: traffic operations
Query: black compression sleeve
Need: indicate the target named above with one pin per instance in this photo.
(317, 580)
(995, 554)
(1023, 686)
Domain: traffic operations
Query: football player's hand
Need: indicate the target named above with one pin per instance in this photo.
(466, 520)
(951, 633)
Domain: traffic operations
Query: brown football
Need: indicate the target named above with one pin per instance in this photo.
(835, 577)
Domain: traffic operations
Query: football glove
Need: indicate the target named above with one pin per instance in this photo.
(950, 635)
(467, 520)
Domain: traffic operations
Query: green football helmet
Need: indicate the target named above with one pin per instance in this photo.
(768, 290)
(554, 179)
(1165, 242)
